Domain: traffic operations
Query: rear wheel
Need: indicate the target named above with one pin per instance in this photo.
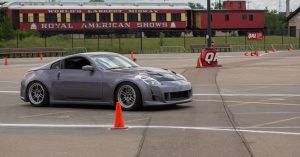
(129, 96)
(37, 94)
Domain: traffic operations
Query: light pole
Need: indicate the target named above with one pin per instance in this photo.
(208, 24)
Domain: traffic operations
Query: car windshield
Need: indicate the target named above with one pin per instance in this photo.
(113, 62)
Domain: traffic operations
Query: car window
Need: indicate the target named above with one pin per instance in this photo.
(56, 65)
(76, 63)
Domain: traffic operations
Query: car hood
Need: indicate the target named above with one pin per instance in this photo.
(156, 73)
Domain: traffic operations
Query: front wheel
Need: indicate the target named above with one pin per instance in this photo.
(129, 96)
(37, 94)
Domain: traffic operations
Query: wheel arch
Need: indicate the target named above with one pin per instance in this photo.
(130, 82)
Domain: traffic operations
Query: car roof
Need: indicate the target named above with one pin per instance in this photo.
(90, 54)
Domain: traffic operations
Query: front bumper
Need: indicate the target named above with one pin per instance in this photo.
(168, 93)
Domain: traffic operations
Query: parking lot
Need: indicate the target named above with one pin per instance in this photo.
(248, 107)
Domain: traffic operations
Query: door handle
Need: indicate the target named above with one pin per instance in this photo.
(58, 75)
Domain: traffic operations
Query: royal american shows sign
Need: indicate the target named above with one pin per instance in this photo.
(100, 25)
(255, 36)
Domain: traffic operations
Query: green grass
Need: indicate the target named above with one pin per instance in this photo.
(126, 45)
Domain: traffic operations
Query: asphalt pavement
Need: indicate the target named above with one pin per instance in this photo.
(248, 107)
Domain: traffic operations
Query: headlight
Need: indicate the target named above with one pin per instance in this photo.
(181, 76)
(148, 80)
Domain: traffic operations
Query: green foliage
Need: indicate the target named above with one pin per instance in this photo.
(25, 34)
(7, 29)
(196, 5)
(96, 0)
(217, 5)
(275, 22)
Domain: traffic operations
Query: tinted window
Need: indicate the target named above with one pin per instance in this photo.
(119, 17)
(244, 17)
(226, 17)
(90, 17)
(176, 17)
(161, 17)
(132, 17)
(145, 17)
(76, 63)
(56, 65)
(251, 17)
(105, 17)
(63, 17)
(25, 18)
(35, 17)
(51, 17)
(76, 18)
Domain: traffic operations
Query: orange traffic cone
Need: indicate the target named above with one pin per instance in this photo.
(5, 61)
(119, 122)
(246, 54)
(132, 56)
(273, 49)
(199, 65)
(266, 50)
(41, 56)
(252, 54)
(290, 49)
(256, 53)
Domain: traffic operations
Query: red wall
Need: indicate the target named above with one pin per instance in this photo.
(234, 5)
(235, 20)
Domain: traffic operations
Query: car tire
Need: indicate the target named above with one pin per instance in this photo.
(37, 94)
(129, 96)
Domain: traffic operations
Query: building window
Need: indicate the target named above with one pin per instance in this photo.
(63, 17)
(251, 17)
(90, 17)
(25, 18)
(244, 17)
(132, 17)
(240, 5)
(105, 17)
(161, 17)
(76, 18)
(35, 17)
(231, 4)
(226, 17)
(119, 17)
(50, 18)
(176, 17)
(145, 17)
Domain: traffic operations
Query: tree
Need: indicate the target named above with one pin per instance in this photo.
(275, 22)
(196, 5)
(217, 5)
(96, 0)
(7, 29)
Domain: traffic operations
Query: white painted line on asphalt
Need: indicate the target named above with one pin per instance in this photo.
(150, 127)
(10, 92)
(249, 113)
(248, 95)
(9, 82)
(275, 122)
(47, 114)
(246, 102)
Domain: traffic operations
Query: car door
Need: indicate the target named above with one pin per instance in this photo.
(73, 83)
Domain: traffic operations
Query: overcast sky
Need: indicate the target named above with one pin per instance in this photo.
(254, 4)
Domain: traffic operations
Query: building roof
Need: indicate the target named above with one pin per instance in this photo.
(293, 14)
(95, 5)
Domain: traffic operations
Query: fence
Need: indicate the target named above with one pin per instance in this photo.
(158, 41)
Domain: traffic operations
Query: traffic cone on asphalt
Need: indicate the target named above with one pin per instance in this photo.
(119, 121)
(5, 61)
(199, 65)
(273, 49)
(290, 49)
(252, 54)
(132, 56)
(256, 53)
(266, 50)
(41, 56)
(246, 54)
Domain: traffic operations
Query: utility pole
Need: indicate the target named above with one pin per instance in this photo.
(209, 24)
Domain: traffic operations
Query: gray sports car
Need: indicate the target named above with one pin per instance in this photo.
(103, 78)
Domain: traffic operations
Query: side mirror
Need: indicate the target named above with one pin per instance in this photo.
(88, 68)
